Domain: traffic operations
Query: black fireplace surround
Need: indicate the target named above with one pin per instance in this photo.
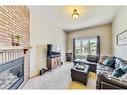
(12, 74)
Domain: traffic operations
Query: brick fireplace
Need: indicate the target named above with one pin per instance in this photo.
(15, 42)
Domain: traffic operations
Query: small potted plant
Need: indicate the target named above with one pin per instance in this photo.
(17, 37)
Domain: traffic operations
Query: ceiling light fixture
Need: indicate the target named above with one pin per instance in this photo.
(75, 14)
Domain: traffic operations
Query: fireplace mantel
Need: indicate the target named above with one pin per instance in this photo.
(15, 48)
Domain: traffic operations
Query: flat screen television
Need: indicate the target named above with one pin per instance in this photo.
(53, 49)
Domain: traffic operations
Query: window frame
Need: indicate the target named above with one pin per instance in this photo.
(89, 50)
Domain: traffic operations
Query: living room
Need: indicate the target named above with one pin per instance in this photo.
(33, 28)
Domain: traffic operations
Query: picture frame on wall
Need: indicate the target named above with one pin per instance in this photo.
(122, 38)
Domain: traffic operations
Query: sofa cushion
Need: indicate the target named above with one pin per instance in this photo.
(108, 62)
(103, 58)
(124, 68)
(124, 77)
(117, 72)
(104, 69)
(118, 62)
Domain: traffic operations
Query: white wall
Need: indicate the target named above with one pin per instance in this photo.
(119, 25)
(105, 33)
(41, 34)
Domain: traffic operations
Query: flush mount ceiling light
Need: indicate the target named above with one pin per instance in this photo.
(75, 14)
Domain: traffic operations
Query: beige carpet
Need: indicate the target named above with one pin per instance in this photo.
(59, 78)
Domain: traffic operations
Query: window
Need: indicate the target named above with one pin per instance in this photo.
(84, 47)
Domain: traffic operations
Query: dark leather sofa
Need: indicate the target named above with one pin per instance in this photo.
(104, 78)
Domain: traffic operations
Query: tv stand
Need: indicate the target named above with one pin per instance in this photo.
(53, 61)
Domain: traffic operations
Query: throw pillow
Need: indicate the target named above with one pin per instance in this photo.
(118, 62)
(123, 65)
(117, 72)
(124, 68)
(108, 62)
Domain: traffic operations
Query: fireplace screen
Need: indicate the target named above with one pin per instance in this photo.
(12, 74)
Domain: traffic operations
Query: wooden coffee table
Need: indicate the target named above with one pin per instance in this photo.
(80, 75)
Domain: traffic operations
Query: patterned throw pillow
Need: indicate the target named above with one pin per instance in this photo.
(108, 62)
(118, 62)
(124, 68)
(121, 64)
(117, 72)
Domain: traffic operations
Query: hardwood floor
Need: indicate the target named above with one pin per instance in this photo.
(90, 85)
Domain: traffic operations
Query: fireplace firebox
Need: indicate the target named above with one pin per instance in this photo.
(12, 74)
